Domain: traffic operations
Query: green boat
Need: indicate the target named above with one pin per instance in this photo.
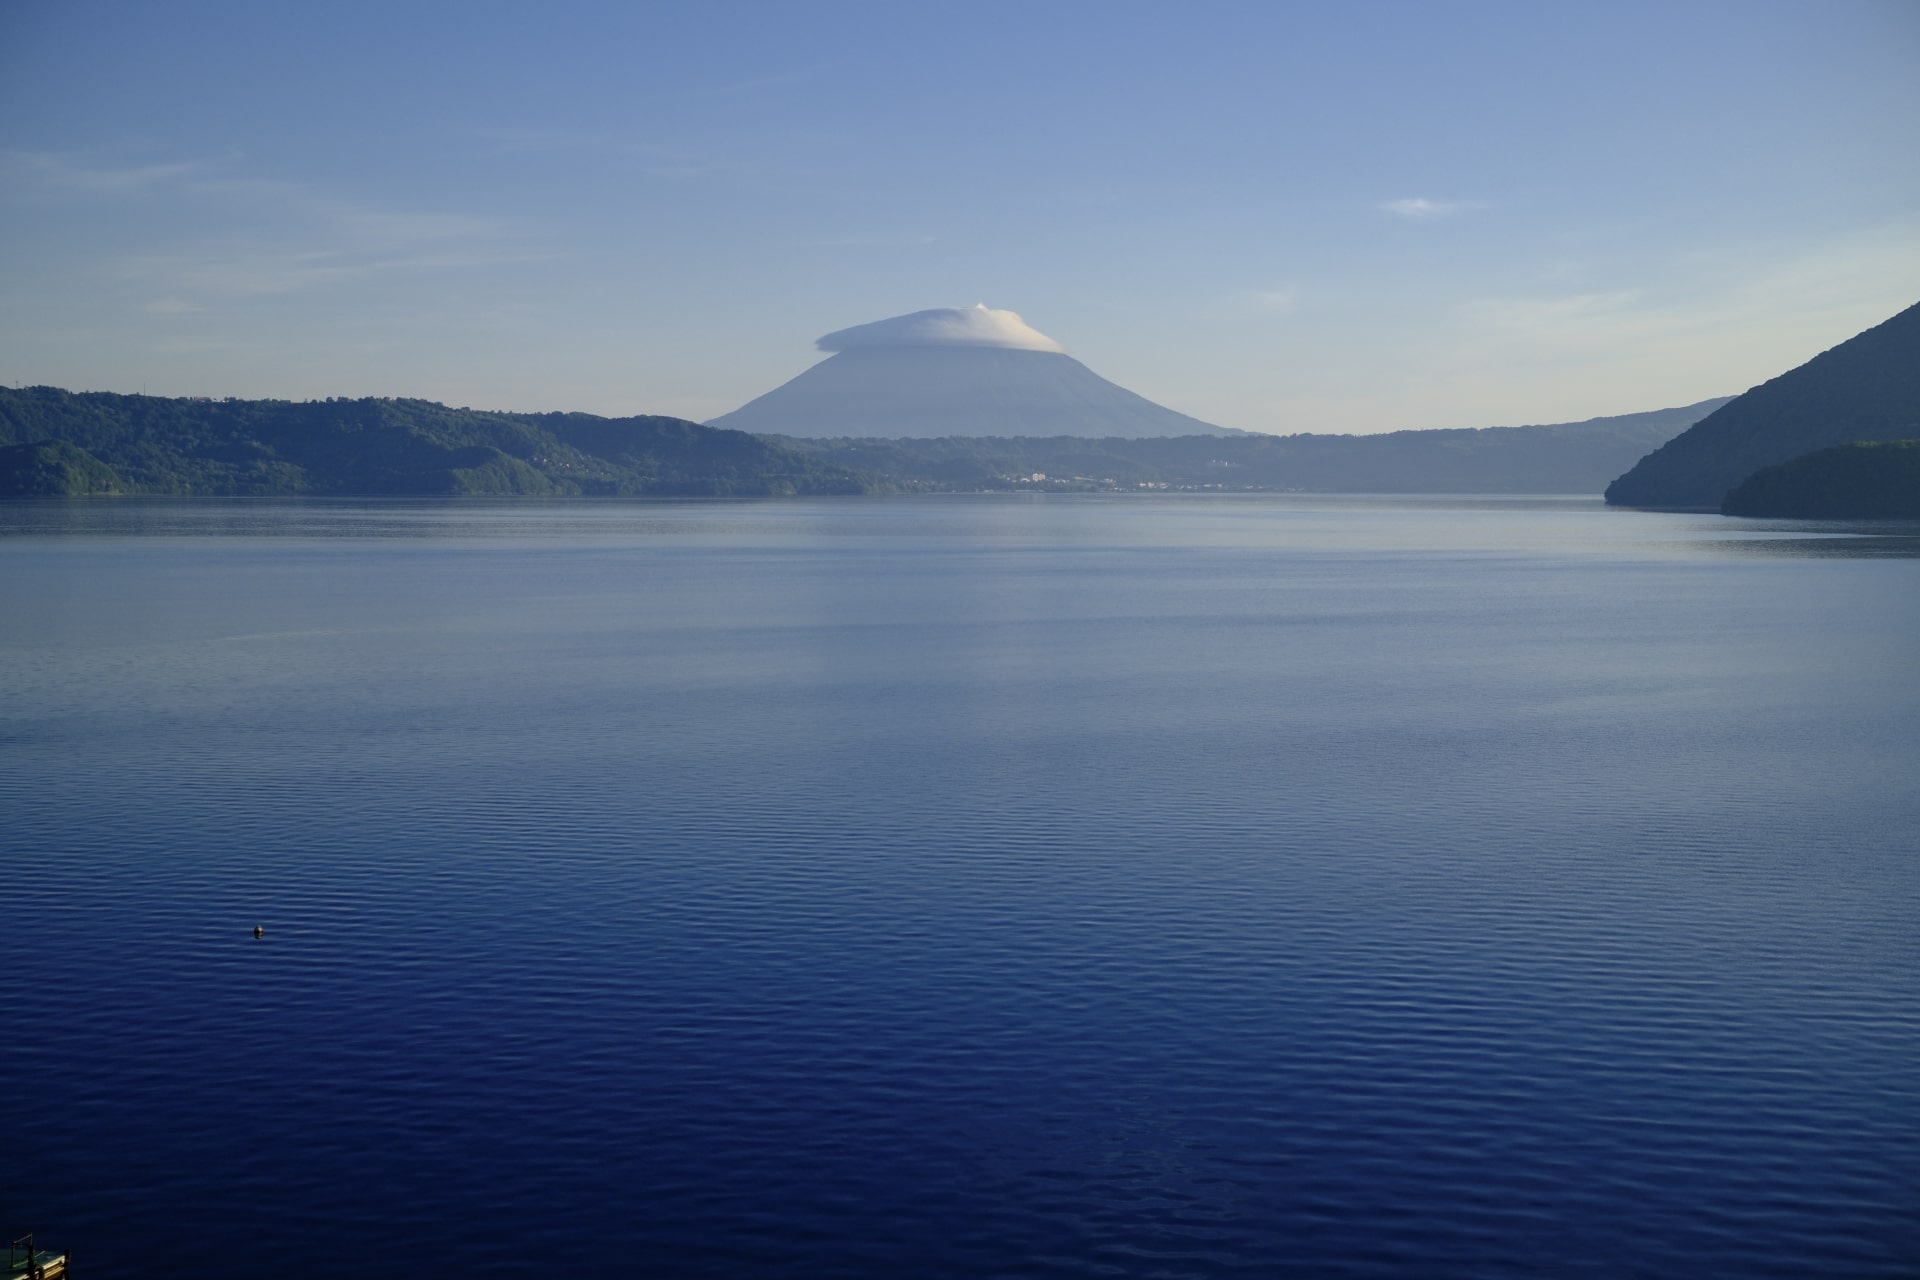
(34, 1264)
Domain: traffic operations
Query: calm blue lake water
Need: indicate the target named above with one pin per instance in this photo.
(959, 887)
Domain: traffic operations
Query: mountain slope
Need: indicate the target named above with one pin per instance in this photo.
(1867, 388)
(150, 444)
(922, 392)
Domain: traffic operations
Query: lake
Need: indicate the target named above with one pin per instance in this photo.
(960, 886)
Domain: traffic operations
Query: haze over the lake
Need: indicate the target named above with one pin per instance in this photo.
(1270, 217)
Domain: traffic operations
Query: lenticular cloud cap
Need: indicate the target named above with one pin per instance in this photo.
(975, 326)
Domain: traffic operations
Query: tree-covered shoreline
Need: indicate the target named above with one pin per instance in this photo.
(55, 442)
(1574, 457)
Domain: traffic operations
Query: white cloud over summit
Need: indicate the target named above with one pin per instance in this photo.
(975, 326)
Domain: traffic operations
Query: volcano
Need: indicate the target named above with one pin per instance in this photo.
(954, 371)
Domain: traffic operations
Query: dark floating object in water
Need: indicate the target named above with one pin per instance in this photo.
(34, 1264)
(259, 932)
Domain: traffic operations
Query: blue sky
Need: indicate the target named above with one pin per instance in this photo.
(1278, 217)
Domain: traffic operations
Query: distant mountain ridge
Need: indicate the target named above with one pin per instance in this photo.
(75, 443)
(1865, 389)
(1575, 457)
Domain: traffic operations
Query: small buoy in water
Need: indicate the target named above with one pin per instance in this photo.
(258, 932)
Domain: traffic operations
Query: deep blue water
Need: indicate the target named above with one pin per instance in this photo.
(959, 887)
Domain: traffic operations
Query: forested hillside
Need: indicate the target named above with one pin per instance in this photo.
(1849, 482)
(61, 442)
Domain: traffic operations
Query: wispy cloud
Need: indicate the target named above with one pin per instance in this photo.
(1720, 300)
(203, 346)
(653, 159)
(401, 227)
(71, 173)
(231, 267)
(327, 236)
(779, 80)
(200, 232)
(273, 236)
(1282, 301)
(1577, 312)
(1670, 330)
(879, 240)
(1421, 209)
